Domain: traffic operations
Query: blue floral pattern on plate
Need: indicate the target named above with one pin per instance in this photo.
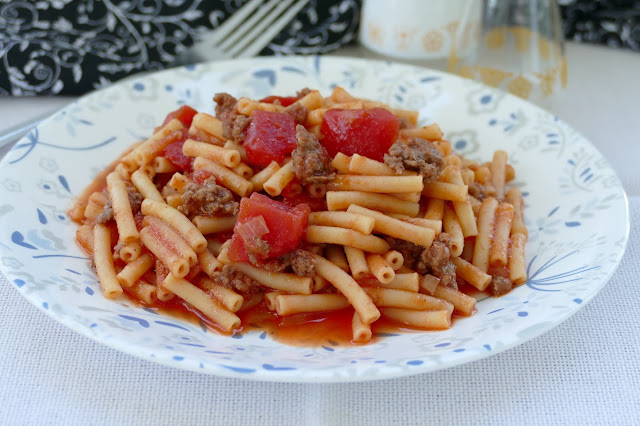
(576, 213)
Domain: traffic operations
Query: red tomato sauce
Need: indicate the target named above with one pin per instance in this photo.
(330, 329)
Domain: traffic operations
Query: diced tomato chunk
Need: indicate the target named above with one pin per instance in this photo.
(270, 137)
(185, 114)
(287, 226)
(285, 101)
(368, 132)
(173, 153)
(199, 176)
(291, 189)
(315, 204)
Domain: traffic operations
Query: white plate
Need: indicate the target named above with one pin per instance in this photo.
(576, 212)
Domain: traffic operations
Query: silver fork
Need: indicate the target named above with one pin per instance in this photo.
(246, 32)
(243, 35)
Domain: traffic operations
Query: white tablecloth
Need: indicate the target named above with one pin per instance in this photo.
(585, 371)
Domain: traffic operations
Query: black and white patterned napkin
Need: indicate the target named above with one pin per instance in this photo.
(613, 23)
(50, 47)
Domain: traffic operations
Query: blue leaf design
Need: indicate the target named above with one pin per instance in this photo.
(18, 238)
(64, 183)
(327, 348)
(195, 345)
(238, 369)
(268, 74)
(18, 282)
(553, 211)
(293, 69)
(572, 224)
(41, 217)
(415, 362)
(89, 291)
(429, 79)
(274, 368)
(168, 324)
(143, 323)
(71, 130)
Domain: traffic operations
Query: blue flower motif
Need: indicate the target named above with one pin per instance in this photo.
(538, 283)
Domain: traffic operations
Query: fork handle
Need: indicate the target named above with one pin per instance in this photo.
(15, 133)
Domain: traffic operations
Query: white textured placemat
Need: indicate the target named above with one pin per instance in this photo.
(586, 371)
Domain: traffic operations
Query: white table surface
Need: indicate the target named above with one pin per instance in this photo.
(585, 371)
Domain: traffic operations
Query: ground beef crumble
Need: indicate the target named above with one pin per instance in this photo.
(224, 103)
(135, 201)
(304, 92)
(135, 198)
(418, 155)
(260, 249)
(500, 285)
(476, 189)
(230, 278)
(208, 199)
(301, 262)
(297, 111)
(480, 191)
(311, 161)
(233, 124)
(411, 253)
(435, 260)
(107, 214)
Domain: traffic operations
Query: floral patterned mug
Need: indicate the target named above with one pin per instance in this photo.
(420, 29)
